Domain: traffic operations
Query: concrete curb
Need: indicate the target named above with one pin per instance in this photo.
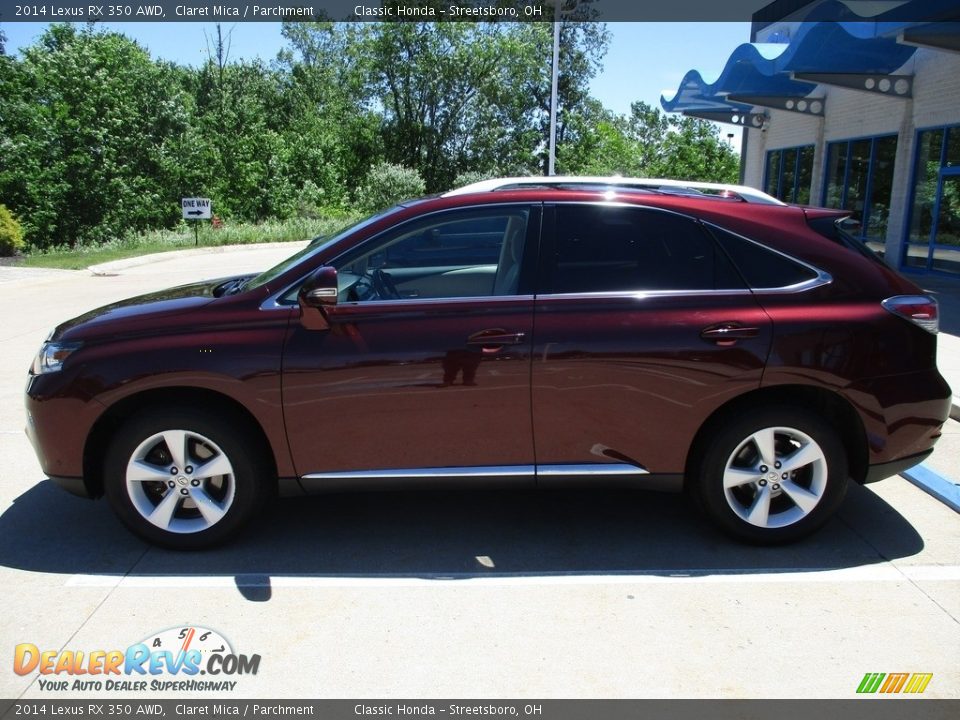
(935, 484)
(114, 267)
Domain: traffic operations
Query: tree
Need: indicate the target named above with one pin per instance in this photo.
(693, 150)
(334, 134)
(87, 117)
(648, 143)
(423, 109)
(583, 44)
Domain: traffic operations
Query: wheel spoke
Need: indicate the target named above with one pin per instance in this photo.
(735, 477)
(208, 507)
(803, 498)
(162, 514)
(176, 441)
(759, 512)
(140, 471)
(804, 456)
(765, 442)
(218, 465)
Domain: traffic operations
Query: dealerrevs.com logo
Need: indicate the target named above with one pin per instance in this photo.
(171, 660)
(894, 683)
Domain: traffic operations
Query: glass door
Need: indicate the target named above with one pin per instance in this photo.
(945, 245)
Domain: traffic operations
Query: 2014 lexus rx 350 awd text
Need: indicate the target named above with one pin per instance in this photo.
(532, 333)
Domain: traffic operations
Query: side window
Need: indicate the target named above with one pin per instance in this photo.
(609, 249)
(472, 253)
(761, 267)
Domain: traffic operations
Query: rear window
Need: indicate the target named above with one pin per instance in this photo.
(832, 229)
(760, 266)
(603, 248)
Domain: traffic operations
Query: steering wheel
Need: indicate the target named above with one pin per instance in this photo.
(384, 285)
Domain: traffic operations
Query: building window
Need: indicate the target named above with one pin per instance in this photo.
(789, 174)
(933, 238)
(859, 178)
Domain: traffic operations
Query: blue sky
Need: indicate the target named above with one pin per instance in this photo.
(643, 60)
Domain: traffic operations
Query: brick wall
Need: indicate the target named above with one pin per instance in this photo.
(854, 114)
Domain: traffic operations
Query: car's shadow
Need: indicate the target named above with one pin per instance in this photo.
(452, 534)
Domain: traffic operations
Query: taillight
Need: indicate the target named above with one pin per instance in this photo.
(919, 309)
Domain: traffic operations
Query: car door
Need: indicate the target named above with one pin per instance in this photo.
(424, 370)
(643, 329)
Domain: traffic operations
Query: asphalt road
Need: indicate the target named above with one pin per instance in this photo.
(468, 594)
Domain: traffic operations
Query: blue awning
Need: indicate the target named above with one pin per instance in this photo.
(831, 39)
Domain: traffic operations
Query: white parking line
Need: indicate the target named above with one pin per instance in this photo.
(872, 573)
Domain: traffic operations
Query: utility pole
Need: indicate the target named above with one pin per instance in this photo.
(552, 162)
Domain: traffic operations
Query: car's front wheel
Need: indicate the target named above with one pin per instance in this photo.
(771, 475)
(183, 479)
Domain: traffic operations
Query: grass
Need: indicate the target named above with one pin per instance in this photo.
(181, 238)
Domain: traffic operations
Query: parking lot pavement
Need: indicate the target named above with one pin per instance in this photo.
(10, 274)
(472, 594)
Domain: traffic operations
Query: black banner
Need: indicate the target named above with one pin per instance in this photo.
(866, 709)
(442, 10)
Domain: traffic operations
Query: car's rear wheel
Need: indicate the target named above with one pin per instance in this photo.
(772, 475)
(184, 479)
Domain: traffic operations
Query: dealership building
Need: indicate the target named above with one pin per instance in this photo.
(850, 112)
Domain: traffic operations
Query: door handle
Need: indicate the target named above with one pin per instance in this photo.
(727, 334)
(495, 338)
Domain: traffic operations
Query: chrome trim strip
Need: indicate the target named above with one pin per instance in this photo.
(572, 469)
(561, 470)
(643, 294)
(271, 304)
(823, 278)
(441, 472)
(373, 304)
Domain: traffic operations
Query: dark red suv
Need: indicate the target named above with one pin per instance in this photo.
(751, 354)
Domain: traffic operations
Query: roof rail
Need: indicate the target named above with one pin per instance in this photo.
(742, 192)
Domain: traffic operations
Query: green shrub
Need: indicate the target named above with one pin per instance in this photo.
(11, 236)
(470, 177)
(388, 184)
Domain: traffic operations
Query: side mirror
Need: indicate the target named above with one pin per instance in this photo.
(317, 296)
(320, 289)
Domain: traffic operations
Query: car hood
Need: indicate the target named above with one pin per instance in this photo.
(140, 314)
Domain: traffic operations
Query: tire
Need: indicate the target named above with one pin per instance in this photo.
(184, 479)
(735, 485)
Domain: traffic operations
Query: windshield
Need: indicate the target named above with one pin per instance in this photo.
(315, 245)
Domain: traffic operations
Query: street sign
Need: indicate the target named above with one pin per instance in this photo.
(195, 208)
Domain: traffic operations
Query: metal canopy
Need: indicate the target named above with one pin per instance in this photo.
(832, 45)
(939, 36)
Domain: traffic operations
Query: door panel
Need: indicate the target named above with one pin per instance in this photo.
(630, 379)
(643, 329)
(401, 385)
(405, 383)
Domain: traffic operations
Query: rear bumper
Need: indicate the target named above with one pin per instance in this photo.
(902, 416)
(881, 471)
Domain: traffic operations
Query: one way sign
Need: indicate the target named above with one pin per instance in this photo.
(195, 208)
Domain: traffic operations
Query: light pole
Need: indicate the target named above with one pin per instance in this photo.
(552, 162)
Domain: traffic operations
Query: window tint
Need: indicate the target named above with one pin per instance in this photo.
(609, 249)
(470, 253)
(760, 266)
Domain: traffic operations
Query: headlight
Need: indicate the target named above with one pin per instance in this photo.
(51, 357)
